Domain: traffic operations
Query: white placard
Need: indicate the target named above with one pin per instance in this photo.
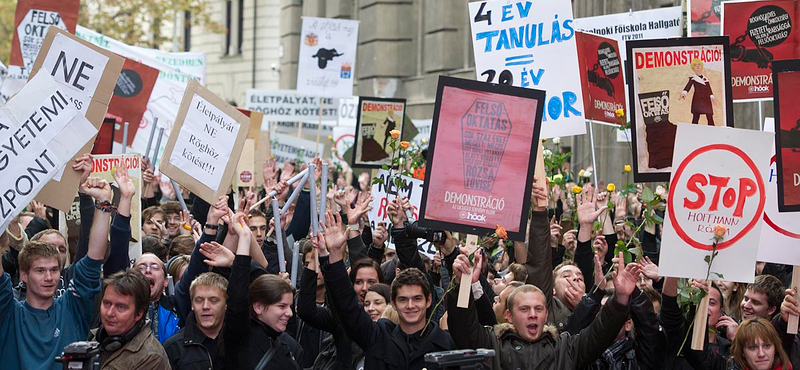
(290, 106)
(327, 61)
(348, 111)
(309, 129)
(780, 232)
(75, 65)
(532, 44)
(31, 32)
(205, 142)
(288, 148)
(343, 139)
(638, 25)
(37, 140)
(716, 180)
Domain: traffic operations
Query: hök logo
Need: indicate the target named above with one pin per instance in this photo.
(472, 216)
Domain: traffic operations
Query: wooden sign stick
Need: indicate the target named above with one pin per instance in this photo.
(466, 280)
(700, 321)
(540, 174)
(791, 328)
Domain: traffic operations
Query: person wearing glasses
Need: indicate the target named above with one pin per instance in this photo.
(161, 311)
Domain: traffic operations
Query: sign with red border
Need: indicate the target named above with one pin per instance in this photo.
(716, 180)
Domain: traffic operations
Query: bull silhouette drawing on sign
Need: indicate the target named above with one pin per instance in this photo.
(324, 56)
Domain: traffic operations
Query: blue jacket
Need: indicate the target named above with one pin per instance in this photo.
(167, 320)
(31, 338)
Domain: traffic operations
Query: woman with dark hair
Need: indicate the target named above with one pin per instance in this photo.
(363, 274)
(377, 299)
(254, 333)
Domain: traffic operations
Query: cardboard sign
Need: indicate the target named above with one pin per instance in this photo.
(327, 60)
(263, 152)
(208, 133)
(601, 76)
(786, 76)
(673, 82)
(704, 17)
(289, 105)
(103, 167)
(31, 20)
(377, 117)
(480, 160)
(780, 231)
(348, 111)
(532, 44)
(639, 25)
(246, 166)
(41, 131)
(716, 180)
(90, 74)
(129, 103)
(760, 32)
(175, 71)
(288, 148)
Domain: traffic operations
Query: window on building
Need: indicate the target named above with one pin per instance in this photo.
(187, 31)
(234, 27)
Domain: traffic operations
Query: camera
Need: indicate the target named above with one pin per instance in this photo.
(431, 235)
(80, 355)
(460, 359)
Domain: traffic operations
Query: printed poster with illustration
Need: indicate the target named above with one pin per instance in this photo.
(601, 76)
(377, 118)
(327, 61)
(786, 75)
(531, 44)
(483, 147)
(704, 17)
(716, 180)
(760, 32)
(674, 82)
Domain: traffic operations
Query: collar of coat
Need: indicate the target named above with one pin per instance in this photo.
(700, 79)
(507, 328)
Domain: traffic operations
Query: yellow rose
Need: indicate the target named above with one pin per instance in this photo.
(619, 112)
(611, 187)
(576, 189)
(581, 173)
(405, 144)
(628, 168)
(395, 134)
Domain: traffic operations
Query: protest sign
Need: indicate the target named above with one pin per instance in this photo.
(704, 17)
(208, 133)
(327, 58)
(377, 117)
(780, 231)
(288, 148)
(532, 44)
(89, 75)
(103, 166)
(31, 20)
(639, 25)
(423, 131)
(343, 139)
(263, 152)
(673, 82)
(786, 76)
(601, 76)
(43, 131)
(386, 191)
(716, 180)
(129, 103)
(760, 32)
(165, 98)
(348, 111)
(480, 160)
(306, 130)
(290, 106)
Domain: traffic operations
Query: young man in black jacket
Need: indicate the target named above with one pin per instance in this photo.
(386, 345)
(197, 345)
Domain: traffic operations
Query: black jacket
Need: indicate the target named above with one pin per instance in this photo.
(385, 345)
(248, 340)
(186, 351)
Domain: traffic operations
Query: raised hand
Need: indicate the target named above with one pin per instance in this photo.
(555, 232)
(599, 277)
(318, 242)
(649, 269)
(83, 164)
(570, 241)
(126, 187)
(625, 277)
(239, 225)
(789, 305)
(462, 265)
(281, 190)
(217, 211)
(187, 223)
(39, 209)
(380, 235)
(362, 207)
(587, 211)
(333, 234)
(600, 246)
(620, 208)
(269, 171)
(216, 255)
(539, 192)
(396, 213)
(97, 188)
(287, 172)
(340, 198)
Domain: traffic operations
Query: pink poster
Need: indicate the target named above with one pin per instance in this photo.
(480, 161)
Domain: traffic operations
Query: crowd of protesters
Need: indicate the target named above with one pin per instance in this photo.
(208, 291)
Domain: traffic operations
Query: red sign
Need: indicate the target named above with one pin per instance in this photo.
(731, 205)
(704, 17)
(31, 21)
(787, 134)
(601, 77)
(760, 32)
(481, 156)
(131, 94)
